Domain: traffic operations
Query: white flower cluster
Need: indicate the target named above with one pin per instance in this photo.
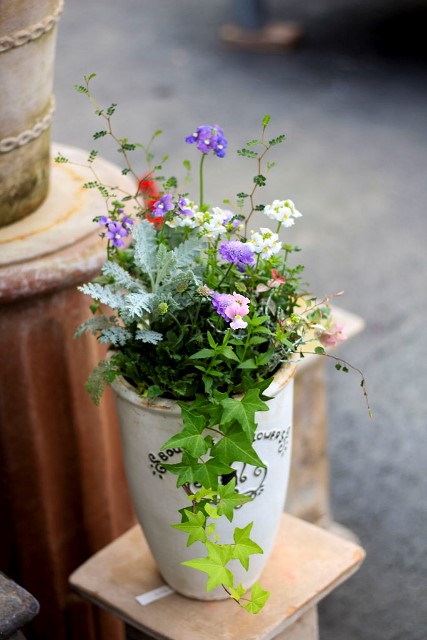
(187, 219)
(211, 223)
(264, 242)
(283, 211)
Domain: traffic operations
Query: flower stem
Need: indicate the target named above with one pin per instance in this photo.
(201, 179)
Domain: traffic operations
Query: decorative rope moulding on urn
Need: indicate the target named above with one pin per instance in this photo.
(14, 142)
(33, 32)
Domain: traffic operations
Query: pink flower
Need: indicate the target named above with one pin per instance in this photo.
(232, 307)
(332, 336)
(237, 310)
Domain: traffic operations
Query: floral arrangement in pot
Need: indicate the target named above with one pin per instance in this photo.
(206, 318)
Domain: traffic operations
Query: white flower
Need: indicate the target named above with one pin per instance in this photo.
(186, 217)
(212, 222)
(265, 243)
(283, 211)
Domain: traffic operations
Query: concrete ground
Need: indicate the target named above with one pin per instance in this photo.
(352, 100)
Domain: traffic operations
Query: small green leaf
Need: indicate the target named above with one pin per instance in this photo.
(244, 546)
(211, 341)
(202, 354)
(212, 511)
(229, 499)
(248, 364)
(260, 180)
(202, 494)
(214, 565)
(247, 153)
(60, 159)
(277, 140)
(258, 599)
(319, 350)
(228, 353)
(266, 119)
(111, 109)
(238, 592)
(194, 526)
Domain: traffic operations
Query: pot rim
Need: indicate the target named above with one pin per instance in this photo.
(127, 392)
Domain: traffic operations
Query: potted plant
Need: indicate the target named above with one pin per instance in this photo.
(206, 318)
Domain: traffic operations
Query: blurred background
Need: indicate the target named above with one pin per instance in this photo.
(352, 100)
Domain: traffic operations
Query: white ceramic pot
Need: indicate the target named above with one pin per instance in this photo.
(146, 426)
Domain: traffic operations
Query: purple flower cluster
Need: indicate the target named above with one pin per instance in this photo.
(209, 138)
(162, 206)
(236, 252)
(117, 229)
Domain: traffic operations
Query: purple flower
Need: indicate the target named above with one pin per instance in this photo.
(209, 138)
(105, 221)
(116, 232)
(220, 302)
(162, 206)
(236, 252)
(183, 207)
(127, 222)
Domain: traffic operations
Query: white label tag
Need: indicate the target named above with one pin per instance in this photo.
(155, 594)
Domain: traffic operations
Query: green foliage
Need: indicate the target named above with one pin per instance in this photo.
(247, 153)
(60, 159)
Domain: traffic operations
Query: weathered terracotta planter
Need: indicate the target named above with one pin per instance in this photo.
(145, 426)
(27, 50)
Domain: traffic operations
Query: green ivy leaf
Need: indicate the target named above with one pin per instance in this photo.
(229, 499)
(207, 472)
(203, 494)
(238, 592)
(190, 438)
(244, 546)
(212, 511)
(194, 526)
(235, 446)
(243, 411)
(214, 565)
(258, 599)
(184, 469)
